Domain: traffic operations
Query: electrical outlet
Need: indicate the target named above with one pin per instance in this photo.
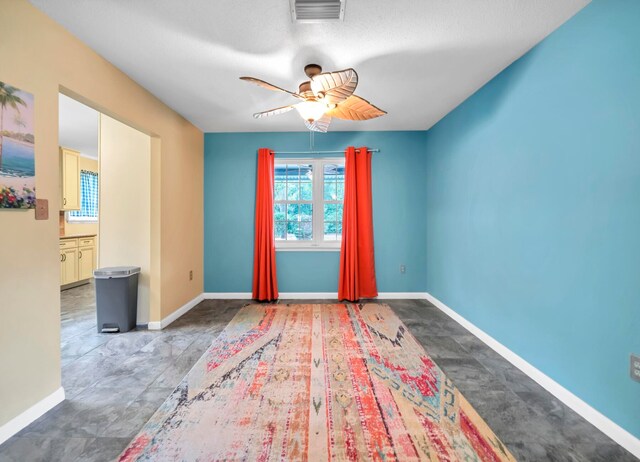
(403, 269)
(191, 275)
(635, 367)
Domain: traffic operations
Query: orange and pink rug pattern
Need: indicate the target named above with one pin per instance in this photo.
(342, 382)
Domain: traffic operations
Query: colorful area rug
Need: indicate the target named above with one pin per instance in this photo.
(342, 382)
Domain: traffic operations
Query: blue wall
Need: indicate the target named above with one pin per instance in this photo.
(399, 194)
(533, 209)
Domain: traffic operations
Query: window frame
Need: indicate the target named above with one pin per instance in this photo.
(85, 219)
(317, 244)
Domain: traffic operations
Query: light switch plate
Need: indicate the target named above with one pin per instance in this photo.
(635, 367)
(42, 209)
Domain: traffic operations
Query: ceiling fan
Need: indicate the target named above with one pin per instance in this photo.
(324, 95)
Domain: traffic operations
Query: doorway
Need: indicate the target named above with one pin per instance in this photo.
(78, 138)
(105, 203)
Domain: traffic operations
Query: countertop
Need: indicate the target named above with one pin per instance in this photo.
(75, 236)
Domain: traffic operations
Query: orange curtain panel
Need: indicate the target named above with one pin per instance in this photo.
(357, 264)
(265, 281)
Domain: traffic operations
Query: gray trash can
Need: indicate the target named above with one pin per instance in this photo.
(116, 298)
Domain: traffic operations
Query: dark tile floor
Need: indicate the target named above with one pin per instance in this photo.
(115, 382)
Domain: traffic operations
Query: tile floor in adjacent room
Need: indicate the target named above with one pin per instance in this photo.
(115, 382)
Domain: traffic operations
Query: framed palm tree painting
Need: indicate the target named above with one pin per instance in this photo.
(17, 153)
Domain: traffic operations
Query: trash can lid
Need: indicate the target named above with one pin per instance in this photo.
(115, 272)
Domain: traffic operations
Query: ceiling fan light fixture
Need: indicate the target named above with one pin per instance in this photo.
(324, 96)
(311, 110)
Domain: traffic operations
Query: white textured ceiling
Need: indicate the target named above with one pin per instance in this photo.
(417, 59)
(78, 127)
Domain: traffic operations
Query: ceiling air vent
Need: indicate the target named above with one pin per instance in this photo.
(317, 10)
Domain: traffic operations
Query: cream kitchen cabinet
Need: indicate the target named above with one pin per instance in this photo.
(86, 262)
(68, 266)
(77, 259)
(69, 179)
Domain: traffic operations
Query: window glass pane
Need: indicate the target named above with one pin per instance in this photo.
(293, 172)
(292, 212)
(330, 191)
(306, 172)
(293, 191)
(306, 191)
(329, 182)
(329, 227)
(280, 231)
(293, 176)
(329, 212)
(279, 212)
(306, 212)
(293, 229)
(306, 230)
(280, 171)
(340, 182)
(330, 231)
(333, 191)
(330, 171)
(280, 191)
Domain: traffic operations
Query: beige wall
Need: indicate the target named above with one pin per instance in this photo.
(41, 57)
(125, 203)
(71, 229)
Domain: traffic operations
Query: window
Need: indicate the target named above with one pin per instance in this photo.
(88, 199)
(308, 196)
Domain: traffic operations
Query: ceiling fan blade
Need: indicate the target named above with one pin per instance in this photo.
(269, 86)
(321, 125)
(276, 111)
(335, 87)
(356, 108)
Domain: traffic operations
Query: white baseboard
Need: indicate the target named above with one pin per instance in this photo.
(227, 295)
(399, 295)
(159, 325)
(599, 420)
(310, 295)
(37, 410)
